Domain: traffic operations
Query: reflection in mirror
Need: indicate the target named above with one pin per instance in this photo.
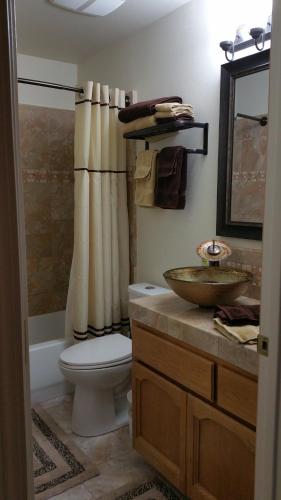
(243, 146)
(249, 148)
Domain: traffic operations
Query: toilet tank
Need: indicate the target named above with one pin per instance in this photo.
(138, 290)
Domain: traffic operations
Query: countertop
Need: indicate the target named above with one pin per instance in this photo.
(179, 319)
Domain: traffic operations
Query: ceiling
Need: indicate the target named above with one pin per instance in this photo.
(49, 32)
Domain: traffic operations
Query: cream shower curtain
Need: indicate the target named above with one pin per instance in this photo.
(97, 301)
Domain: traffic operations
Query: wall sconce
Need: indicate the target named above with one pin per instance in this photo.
(258, 38)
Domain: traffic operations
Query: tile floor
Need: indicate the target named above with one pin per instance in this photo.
(113, 454)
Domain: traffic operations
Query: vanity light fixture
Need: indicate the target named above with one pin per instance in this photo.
(258, 38)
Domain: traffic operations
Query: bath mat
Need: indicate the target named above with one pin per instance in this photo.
(57, 462)
(154, 488)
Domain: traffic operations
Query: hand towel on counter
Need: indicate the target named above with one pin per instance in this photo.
(238, 315)
(145, 178)
(140, 123)
(171, 177)
(144, 108)
(246, 334)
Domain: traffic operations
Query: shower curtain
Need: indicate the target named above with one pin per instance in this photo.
(97, 302)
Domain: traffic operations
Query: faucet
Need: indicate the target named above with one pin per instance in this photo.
(213, 251)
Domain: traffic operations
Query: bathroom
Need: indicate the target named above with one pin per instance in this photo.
(169, 383)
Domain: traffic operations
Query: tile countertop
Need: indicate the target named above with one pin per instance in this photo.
(184, 321)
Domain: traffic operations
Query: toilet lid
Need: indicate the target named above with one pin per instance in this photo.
(99, 351)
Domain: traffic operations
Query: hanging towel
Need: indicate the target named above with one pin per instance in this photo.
(145, 178)
(145, 108)
(171, 177)
(246, 334)
(140, 123)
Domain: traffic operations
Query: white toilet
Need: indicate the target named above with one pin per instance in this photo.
(100, 369)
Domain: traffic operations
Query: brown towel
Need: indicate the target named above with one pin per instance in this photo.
(145, 108)
(238, 315)
(171, 178)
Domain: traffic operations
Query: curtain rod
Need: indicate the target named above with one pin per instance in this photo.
(50, 85)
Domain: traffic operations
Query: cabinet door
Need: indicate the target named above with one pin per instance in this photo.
(159, 423)
(220, 455)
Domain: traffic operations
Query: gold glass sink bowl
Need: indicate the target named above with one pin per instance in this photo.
(208, 286)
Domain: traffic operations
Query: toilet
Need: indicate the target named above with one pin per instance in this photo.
(100, 369)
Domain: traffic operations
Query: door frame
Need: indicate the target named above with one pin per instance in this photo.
(268, 454)
(15, 433)
(16, 481)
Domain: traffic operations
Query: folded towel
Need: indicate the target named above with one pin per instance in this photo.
(168, 107)
(238, 315)
(171, 178)
(140, 123)
(174, 114)
(145, 108)
(247, 334)
(145, 178)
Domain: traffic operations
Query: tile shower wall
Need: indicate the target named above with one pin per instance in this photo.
(248, 259)
(47, 137)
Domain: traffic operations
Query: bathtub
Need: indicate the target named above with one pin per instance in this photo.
(46, 342)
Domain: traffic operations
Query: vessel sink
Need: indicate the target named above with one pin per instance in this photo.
(208, 286)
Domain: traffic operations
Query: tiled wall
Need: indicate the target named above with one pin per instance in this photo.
(47, 136)
(248, 260)
(248, 171)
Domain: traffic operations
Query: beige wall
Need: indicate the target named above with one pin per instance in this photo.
(179, 55)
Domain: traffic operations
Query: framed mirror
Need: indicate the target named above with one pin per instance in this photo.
(242, 146)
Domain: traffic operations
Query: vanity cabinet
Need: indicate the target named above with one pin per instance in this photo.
(220, 455)
(160, 423)
(193, 417)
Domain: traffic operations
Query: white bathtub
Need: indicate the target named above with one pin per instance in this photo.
(46, 344)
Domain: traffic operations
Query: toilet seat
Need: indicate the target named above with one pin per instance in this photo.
(102, 352)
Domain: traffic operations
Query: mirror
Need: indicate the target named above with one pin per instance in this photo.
(242, 146)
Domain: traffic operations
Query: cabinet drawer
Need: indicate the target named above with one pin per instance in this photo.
(181, 365)
(237, 394)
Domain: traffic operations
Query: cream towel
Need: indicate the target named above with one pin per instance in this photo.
(242, 334)
(138, 124)
(145, 178)
(173, 106)
(173, 114)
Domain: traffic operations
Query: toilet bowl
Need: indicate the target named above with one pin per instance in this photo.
(97, 368)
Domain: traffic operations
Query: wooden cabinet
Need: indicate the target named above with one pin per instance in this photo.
(204, 442)
(183, 366)
(237, 394)
(159, 408)
(220, 455)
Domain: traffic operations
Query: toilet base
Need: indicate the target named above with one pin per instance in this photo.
(96, 412)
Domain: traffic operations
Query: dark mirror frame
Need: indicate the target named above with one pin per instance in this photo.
(229, 73)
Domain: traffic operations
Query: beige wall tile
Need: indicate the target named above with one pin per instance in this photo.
(47, 143)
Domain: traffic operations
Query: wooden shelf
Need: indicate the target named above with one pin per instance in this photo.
(173, 126)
